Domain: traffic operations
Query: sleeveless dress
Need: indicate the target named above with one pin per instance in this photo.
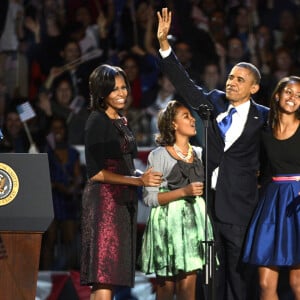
(274, 234)
(172, 241)
(109, 211)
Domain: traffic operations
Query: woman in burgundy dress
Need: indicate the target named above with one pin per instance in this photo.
(109, 206)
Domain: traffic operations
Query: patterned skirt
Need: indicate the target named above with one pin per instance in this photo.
(173, 238)
(108, 232)
(274, 234)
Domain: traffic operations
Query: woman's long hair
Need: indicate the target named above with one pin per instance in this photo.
(274, 103)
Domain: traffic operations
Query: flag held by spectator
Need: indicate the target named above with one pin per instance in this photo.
(25, 111)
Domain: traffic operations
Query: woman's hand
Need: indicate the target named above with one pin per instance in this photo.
(151, 178)
(164, 24)
(194, 189)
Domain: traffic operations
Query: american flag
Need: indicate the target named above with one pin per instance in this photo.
(25, 111)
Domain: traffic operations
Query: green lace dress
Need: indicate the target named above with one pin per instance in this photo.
(174, 234)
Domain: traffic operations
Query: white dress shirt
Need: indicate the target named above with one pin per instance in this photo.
(235, 130)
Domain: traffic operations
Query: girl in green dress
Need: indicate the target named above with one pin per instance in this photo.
(172, 246)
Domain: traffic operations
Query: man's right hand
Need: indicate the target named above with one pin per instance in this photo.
(164, 24)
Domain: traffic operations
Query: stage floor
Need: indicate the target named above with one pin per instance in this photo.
(60, 285)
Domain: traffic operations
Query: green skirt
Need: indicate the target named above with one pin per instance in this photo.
(173, 238)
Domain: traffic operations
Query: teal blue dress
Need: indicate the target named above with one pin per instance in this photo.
(174, 234)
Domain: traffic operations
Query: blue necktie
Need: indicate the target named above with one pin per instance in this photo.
(225, 123)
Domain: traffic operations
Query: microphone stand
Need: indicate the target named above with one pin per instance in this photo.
(204, 112)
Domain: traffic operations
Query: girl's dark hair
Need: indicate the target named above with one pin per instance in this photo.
(274, 103)
(102, 83)
(165, 119)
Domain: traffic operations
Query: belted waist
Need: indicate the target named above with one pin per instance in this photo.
(286, 178)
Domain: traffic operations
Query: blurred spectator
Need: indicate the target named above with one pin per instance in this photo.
(242, 23)
(283, 65)
(218, 28)
(40, 125)
(91, 33)
(130, 65)
(54, 8)
(99, 27)
(139, 123)
(77, 32)
(13, 63)
(75, 67)
(66, 181)
(137, 55)
(156, 99)
(209, 6)
(135, 19)
(44, 52)
(264, 47)
(211, 77)
(64, 104)
(270, 10)
(287, 33)
(186, 57)
(95, 8)
(142, 75)
(15, 139)
(197, 35)
(234, 53)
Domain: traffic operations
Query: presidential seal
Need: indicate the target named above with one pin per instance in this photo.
(9, 184)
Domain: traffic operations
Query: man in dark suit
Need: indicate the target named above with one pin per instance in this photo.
(233, 159)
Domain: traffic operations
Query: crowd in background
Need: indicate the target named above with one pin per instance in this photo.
(49, 48)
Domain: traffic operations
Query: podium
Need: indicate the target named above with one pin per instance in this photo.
(26, 211)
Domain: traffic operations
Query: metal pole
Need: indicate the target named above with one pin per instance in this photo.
(209, 246)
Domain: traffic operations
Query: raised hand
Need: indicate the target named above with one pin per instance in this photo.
(164, 24)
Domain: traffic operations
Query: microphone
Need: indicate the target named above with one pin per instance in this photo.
(204, 111)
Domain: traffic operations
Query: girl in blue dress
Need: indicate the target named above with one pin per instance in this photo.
(273, 239)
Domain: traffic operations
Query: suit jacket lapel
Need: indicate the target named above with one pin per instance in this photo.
(253, 120)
